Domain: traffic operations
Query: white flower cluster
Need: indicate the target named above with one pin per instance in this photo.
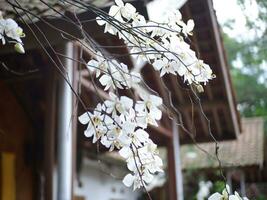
(161, 44)
(11, 32)
(226, 195)
(113, 74)
(119, 124)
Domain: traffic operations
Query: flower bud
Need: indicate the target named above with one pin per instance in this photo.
(200, 88)
(19, 48)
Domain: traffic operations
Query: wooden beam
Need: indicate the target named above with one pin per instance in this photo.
(223, 64)
(208, 91)
(204, 124)
(49, 136)
(188, 120)
(84, 73)
(89, 85)
(177, 92)
(161, 89)
(217, 122)
(162, 131)
(206, 105)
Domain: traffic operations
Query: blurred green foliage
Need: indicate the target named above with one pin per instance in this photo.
(247, 59)
(218, 186)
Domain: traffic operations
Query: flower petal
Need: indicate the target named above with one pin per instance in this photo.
(128, 180)
(84, 118)
(215, 196)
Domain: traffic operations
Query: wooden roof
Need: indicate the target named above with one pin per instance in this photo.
(218, 99)
(246, 151)
(41, 9)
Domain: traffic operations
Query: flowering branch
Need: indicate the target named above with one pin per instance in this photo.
(10, 32)
(164, 47)
(120, 122)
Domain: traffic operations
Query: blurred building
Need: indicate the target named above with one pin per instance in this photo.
(242, 160)
(44, 154)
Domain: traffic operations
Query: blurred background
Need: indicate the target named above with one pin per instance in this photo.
(44, 153)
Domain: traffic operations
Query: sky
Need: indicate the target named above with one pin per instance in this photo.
(225, 10)
(229, 9)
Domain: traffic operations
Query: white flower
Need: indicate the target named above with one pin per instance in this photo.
(144, 118)
(149, 105)
(119, 76)
(148, 111)
(165, 66)
(226, 195)
(112, 78)
(95, 126)
(135, 179)
(137, 138)
(189, 77)
(120, 10)
(155, 29)
(140, 22)
(118, 105)
(181, 70)
(2, 29)
(108, 27)
(114, 137)
(99, 65)
(223, 196)
(188, 28)
(204, 190)
(202, 72)
(128, 180)
(129, 11)
(108, 81)
(132, 79)
(12, 30)
(217, 196)
(147, 177)
(176, 16)
(236, 196)
(130, 117)
(150, 102)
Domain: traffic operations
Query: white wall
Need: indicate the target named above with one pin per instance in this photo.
(96, 185)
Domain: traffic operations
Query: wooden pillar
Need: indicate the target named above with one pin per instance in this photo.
(175, 178)
(177, 160)
(65, 129)
(171, 173)
(229, 180)
(75, 101)
(242, 183)
(49, 138)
